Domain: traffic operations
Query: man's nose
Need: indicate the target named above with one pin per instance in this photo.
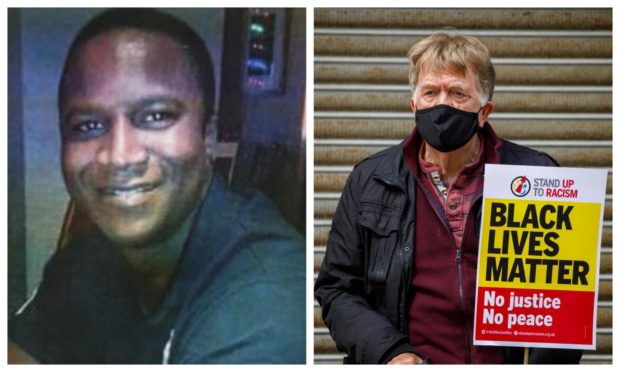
(443, 99)
(123, 145)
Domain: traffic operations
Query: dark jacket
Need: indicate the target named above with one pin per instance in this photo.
(364, 283)
(237, 296)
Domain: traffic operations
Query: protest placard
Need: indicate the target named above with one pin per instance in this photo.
(538, 260)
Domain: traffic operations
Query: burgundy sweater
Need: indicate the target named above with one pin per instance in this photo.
(441, 309)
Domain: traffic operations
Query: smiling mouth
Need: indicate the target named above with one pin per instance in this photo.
(127, 191)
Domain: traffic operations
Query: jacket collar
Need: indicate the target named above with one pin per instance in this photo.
(392, 170)
(492, 146)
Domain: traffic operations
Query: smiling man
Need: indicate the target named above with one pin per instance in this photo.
(397, 284)
(171, 266)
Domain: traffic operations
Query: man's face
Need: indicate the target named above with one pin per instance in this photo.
(133, 153)
(450, 88)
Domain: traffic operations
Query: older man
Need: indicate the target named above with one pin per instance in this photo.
(398, 279)
(169, 266)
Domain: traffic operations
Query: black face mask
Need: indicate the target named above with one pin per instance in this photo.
(446, 128)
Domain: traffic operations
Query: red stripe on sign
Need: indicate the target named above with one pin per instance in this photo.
(538, 316)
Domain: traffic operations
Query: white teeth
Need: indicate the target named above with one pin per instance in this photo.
(126, 193)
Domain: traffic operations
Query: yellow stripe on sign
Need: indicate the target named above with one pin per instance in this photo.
(539, 244)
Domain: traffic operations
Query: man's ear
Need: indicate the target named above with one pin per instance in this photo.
(210, 137)
(412, 104)
(484, 114)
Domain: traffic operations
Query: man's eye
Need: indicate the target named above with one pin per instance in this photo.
(157, 116)
(87, 129)
(156, 119)
(88, 126)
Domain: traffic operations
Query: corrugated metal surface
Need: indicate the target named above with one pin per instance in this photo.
(554, 78)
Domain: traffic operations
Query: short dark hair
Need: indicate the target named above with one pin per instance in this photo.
(153, 21)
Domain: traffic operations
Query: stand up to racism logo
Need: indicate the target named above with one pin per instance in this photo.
(520, 186)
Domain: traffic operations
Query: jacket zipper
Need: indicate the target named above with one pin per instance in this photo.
(459, 268)
(402, 304)
(461, 304)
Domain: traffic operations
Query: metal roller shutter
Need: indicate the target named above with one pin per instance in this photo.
(553, 93)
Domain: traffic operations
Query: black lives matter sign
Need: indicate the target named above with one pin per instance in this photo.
(538, 256)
